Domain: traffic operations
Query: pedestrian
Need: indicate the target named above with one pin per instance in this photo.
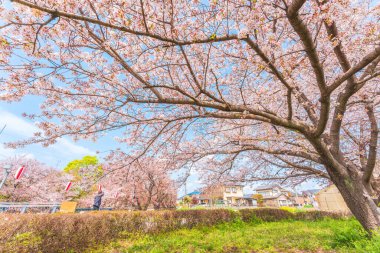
(98, 200)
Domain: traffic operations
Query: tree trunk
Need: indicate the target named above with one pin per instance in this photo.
(358, 201)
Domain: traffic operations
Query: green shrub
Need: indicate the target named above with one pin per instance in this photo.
(289, 209)
(23, 242)
(77, 232)
(315, 215)
(265, 214)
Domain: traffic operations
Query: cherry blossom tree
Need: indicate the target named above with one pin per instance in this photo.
(138, 183)
(292, 84)
(38, 183)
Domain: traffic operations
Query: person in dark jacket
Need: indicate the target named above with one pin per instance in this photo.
(98, 200)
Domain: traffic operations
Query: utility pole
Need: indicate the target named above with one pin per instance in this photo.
(7, 170)
(295, 189)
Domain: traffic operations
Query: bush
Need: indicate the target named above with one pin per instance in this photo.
(77, 232)
(270, 214)
(290, 209)
(265, 214)
(315, 215)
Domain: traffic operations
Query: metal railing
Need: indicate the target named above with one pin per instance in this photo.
(23, 207)
(78, 210)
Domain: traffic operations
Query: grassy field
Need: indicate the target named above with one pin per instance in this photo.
(327, 235)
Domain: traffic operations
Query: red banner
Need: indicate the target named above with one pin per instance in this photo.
(19, 172)
(68, 186)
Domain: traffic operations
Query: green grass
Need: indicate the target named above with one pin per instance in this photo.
(285, 236)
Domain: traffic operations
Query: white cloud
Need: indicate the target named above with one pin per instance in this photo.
(66, 146)
(19, 128)
(16, 125)
(8, 152)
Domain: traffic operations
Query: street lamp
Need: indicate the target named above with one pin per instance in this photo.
(7, 170)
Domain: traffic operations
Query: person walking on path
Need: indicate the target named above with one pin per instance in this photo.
(98, 200)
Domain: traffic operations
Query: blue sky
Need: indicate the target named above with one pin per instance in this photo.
(57, 155)
(19, 128)
(65, 150)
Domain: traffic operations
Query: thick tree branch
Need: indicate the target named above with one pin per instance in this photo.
(304, 34)
(344, 96)
(368, 59)
(295, 6)
(372, 152)
(304, 168)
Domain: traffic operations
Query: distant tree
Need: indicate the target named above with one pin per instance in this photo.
(39, 182)
(85, 174)
(186, 200)
(213, 193)
(194, 200)
(259, 198)
(138, 184)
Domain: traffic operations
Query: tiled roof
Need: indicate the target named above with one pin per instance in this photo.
(268, 186)
(275, 196)
(229, 184)
(194, 193)
(191, 194)
(310, 192)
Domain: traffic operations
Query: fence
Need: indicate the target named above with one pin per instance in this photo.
(24, 207)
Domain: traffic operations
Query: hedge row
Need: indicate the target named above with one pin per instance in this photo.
(271, 214)
(77, 232)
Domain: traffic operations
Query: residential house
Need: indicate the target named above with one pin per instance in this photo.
(228, 194)
(233, 195)
(274, 195)
(249, 200)
(309, 197)
(330, 199)
(306, 197)
(193, 194)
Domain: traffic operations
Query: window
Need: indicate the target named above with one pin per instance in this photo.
(228, 189)
(283, 202)
(234, 189)
(264, 193)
